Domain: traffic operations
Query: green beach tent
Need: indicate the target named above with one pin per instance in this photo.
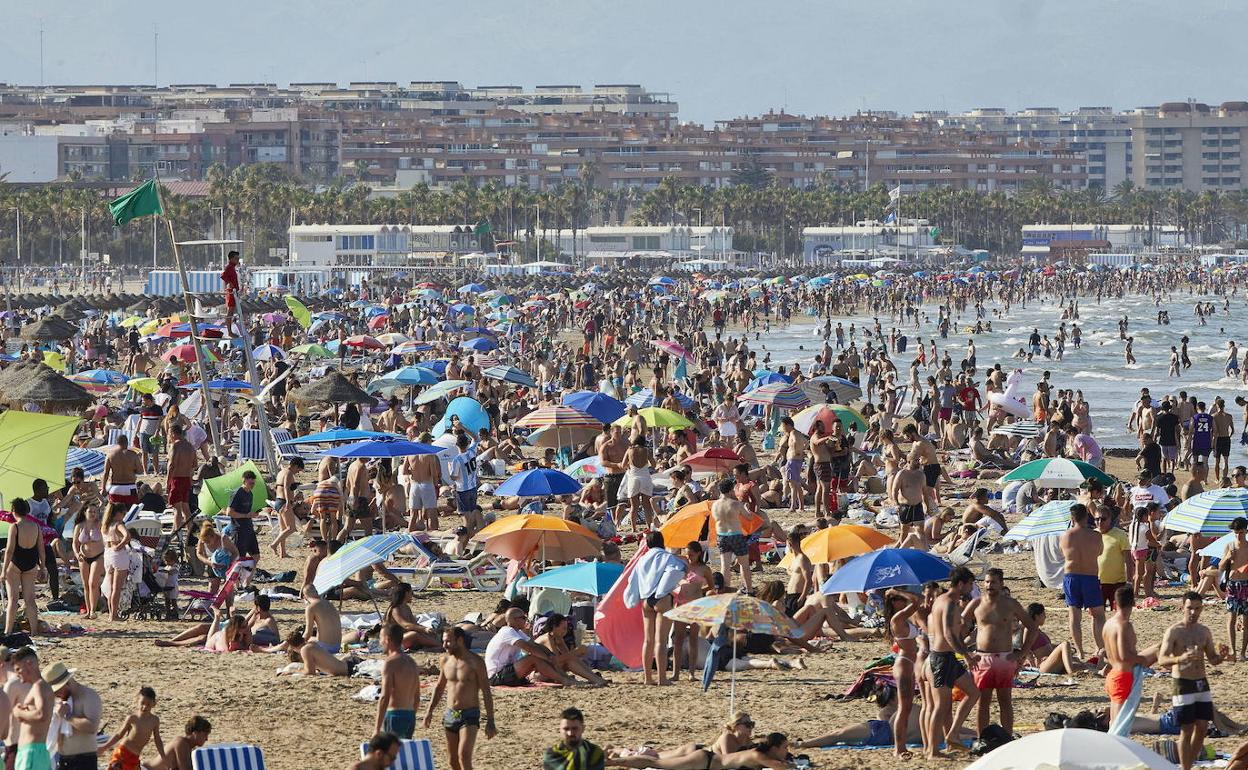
(215, 494)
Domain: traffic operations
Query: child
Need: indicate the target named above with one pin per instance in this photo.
(132, 738)
(167, 578)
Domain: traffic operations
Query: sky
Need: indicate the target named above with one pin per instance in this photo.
(718, 58)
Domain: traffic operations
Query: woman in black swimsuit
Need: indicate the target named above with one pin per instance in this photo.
(23, 566)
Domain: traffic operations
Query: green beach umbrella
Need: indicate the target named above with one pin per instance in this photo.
(312, 350)
(1057, 473)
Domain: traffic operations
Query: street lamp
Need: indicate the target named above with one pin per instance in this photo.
(221, 235)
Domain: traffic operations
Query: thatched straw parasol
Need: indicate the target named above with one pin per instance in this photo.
(46, 387)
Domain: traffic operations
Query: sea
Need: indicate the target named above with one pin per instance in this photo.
(1097, 368)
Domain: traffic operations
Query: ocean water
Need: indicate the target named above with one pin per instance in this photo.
(1098, 368)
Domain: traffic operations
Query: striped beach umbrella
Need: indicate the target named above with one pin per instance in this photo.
(804, 421)
(90, 460)
(1057, 473)
(510, 374)
(587, 468)
(736, 611)
(557, 416)
(268, 353)
(779, 395)
(357, 555)
(441, 390)
(1021, 429)
(1209, 513)
(844, 390)
(410, 347)
(1052, 518)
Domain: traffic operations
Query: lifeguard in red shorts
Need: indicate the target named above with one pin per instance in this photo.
(229, 276)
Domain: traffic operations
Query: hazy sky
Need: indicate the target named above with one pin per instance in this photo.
(718, 58)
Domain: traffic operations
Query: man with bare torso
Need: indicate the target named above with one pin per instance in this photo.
(181, 471)
(1082, 546)
(944, 670)
(995, 613)
(611, 448)
(462, 676)
(792, 448)
(728, 513)
(423, 474)
(356, 496)
(32, 713)
(801, 574)
(908, 487)
(821, 447)
(122, 468)
(1185, 648)
(922, 450)
(400, 686)
(1121, 651)
(1234, 565)
(178, 754)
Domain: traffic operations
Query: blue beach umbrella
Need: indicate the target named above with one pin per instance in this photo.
(357, 555)
(103, 376)
(462, 309)
(471, 288)
(414, 375)
(539, 482)
(510, 374)
(338, 436)
(886, 568)
(645, 398)
(593, 578)
(90, 460)
(600, 406)
(382, 447)
(480, 344)
(268, 353)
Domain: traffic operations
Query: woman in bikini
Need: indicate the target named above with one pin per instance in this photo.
(692, 586)
(24, 566)
(88, 544)
(772, 753)
(899, 607)
(734, 737)
(218, 552)
(116, 556)
(415, 636)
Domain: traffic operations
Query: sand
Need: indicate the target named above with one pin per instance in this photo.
(312, 722)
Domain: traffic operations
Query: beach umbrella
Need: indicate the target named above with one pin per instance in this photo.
(1208, 513)
(268, 353)
(471, 288)
(414, 375)
(778, 395)
(101, 377)
(357, 555)
(275, 318)
(845, 390)
(600, 406)
(657, 417)
(410, 347)
(1070, 748)
(462, 308)
(363, 342)
(886, 568)
(378, 322)
(90, 460)
(763, 377)
(696, 522)
(521, 536)
(804, 421)
(186, 353)
(312, 350)
(831, 544)
(1022, 429)
(333, 388)
(49, 329)
(592, 578)
(224, 384)
(143, 384)
(717, 459)
(440, 390)
(673, 350)
(32, 446)
(338, 435)
(645, 397)
(538, 482)
(480, 344)
(1052, 518)
(44, 386)
(501, 300)
(738, 612)
(558, 416)
(298, 311)
(662, 280)
(588, 467)
(558, 438)
(436, 365)
(1057, 473)
(391, 339)
(381, 447)
(1217, 549)
(510, 374)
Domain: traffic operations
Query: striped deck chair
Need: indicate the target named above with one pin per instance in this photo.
(413, 755)
(250, 445)
(286, 452)
(228, 756)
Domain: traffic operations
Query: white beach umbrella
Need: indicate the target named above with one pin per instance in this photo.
(1071, 749)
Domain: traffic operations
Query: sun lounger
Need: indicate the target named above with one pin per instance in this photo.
(228, 756)
(413, 755)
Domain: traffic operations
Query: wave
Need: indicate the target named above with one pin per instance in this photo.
(1101, 376)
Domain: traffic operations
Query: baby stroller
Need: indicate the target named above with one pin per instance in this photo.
(152, 599)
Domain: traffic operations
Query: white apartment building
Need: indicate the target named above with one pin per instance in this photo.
(675, 242)
(824, 245)
(329, 246)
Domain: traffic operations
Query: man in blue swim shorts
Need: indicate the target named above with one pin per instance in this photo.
(1081, 547)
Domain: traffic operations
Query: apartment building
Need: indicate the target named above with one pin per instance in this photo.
(1190, 146)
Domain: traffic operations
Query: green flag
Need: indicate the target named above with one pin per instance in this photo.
(299, 311)
(483, 228)
(142, 201)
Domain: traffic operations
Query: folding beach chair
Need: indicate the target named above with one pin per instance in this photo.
(413, 755)
(250, 445)
(228, 756)
(201, 603)
(968, 555)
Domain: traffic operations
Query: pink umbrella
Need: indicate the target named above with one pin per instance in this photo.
(363, 341)
(672, 349)
(275, 318)
(378, 322)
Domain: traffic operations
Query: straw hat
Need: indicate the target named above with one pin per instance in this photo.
(57, 676)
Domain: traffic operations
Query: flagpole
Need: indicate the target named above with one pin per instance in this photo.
(190, 312)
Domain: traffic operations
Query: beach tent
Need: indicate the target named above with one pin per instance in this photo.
(215, 494)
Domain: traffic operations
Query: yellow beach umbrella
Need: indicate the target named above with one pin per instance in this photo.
(144, 384)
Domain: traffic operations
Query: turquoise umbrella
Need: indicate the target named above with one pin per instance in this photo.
(593, 578)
